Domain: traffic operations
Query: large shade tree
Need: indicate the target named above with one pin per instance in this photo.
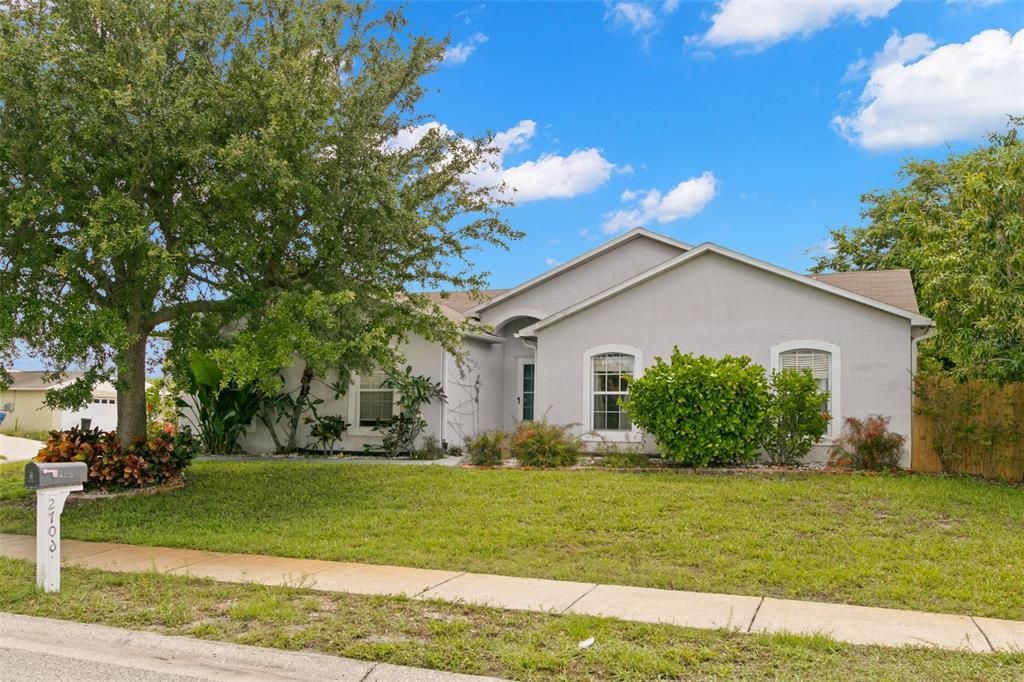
(958, 224)
(170, 170)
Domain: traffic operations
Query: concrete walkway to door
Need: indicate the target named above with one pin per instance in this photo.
(846, 623)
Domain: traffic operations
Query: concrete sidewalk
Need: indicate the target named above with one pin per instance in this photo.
(846, 623)
(45, 650)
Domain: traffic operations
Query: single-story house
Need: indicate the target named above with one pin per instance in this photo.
(556, 346)
(25, 409)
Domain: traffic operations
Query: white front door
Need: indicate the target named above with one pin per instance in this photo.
(525, 389)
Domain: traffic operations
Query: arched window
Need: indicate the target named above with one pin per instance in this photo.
(608, 370)
(822, 359)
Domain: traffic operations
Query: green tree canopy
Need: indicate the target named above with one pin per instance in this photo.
(958, 225)
(169, 168)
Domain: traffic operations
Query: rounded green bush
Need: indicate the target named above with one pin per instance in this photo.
(701, 410)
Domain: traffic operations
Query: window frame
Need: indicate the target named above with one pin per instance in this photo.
(835, 376)
(354, 394)
(589, 432)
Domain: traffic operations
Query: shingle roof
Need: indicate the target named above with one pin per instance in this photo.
(32, 380)
(888, 286)
(461, 301)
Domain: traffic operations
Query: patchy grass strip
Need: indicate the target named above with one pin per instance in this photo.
(469, 639)
(949, 545)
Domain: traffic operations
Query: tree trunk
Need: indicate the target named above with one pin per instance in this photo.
(131, 393)
(299, 408)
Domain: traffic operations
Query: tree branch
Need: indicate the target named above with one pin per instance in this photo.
(168, 313)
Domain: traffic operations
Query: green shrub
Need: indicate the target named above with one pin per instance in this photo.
(430, 449)
(868, 444)
(326, 430)
(221, 412)
(486, 449)
(701, 410)
(398, 434)
(539, 444)
(113, 466)
(794, 421)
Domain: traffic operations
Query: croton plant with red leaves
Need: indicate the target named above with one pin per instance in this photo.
(156, 460)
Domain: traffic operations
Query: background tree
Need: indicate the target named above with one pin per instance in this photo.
(958, 224)
(169, 168)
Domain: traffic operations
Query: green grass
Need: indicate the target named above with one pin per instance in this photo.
(32, 435)
(460, 638)
(906, 541)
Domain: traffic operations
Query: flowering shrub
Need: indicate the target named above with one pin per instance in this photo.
(112, 465)
(539, 444)
(868, 444)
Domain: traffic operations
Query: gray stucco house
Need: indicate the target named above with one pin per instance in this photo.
(556, 346)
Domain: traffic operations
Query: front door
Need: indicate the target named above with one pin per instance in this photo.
(526, 388)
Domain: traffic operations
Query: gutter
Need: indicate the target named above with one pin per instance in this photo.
(914, 341)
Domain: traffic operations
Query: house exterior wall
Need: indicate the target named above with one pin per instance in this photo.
(102, 415)
(29, 413)
(714, 306)
(424, 357)
(474, 391)
(591, 277)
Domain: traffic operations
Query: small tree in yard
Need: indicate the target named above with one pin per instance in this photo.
(701, 410)
(170, 168)
(795, 419)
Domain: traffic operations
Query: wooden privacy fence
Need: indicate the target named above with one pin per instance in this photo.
(998, 407)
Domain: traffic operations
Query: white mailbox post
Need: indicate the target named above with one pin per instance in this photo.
(52, 483)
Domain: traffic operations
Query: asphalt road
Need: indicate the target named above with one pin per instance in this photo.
(48, 650)
(32, 666)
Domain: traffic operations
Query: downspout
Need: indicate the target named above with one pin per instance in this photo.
(443, 435)
(914, 341)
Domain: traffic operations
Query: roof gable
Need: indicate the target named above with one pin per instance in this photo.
(636, 233)
(894, 287)
(913, 317)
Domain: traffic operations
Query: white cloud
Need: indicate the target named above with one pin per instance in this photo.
(407, 138)
(552, 262)
(550, 176)
(761, 23)
(516, 137)
(951, 92)
(897, 50)
(561, 177)
(460, 52)
(638, 16)
(670, 6)
(685, 200)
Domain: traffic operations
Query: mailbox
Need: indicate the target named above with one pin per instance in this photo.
(55, 475)
(53, 482)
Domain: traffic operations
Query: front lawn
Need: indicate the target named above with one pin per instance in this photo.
(906, 541)
(468, 639)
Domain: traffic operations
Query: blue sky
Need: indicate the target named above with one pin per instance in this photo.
(769, 121)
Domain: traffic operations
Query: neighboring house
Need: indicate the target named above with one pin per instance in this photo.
(559, 344)
(23, 403)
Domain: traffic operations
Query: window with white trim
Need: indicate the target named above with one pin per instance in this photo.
(822, 360)
(610, 374)
(376, 399)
